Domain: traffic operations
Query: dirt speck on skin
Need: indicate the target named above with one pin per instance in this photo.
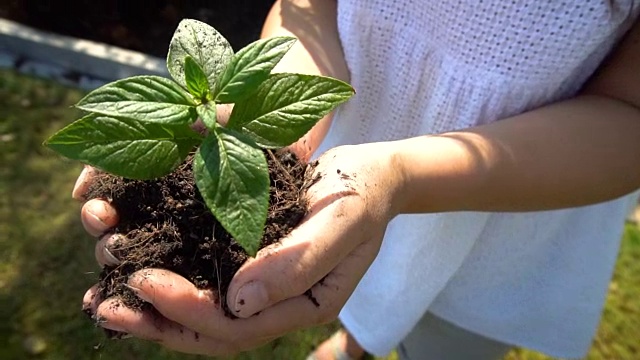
(167, 225)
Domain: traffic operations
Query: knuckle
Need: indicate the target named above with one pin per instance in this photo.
(302, 282)
(328, 310)
(327, 314)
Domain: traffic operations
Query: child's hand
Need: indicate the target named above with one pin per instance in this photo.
(328, 253)
(350, 206)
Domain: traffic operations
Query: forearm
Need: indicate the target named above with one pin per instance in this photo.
(318, 50)
(578, 152)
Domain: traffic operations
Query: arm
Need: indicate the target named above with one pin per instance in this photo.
(317, 52)
(577, 152)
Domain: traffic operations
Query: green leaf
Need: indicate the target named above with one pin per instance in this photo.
(197, 82)
(250, 67)
(286, 106)
(145, 98)
(204, 44)
(125, 147)
(232, 176)
(207, 113)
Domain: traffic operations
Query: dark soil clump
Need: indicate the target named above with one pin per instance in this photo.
(167, 225)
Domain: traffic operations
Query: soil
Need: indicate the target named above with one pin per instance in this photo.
(167, 225)
(145, 26)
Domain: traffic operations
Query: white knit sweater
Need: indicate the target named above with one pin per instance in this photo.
(536, 280)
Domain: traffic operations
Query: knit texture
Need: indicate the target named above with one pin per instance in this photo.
(422, 67)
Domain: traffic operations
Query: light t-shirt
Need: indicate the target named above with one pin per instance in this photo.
(536, 279)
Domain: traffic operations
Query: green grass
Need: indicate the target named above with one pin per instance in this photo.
(46, 259)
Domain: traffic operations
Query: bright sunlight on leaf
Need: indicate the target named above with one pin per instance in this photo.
(250, 67)
(125, 147)
(146, 98)
(197, 82)
(210, 50)
(286, 107)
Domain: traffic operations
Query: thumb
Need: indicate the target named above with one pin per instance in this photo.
(291, 267)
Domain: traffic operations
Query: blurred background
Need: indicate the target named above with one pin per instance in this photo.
(46, 259)
(144, 26)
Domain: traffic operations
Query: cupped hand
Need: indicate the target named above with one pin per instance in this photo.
(302, 281)
(349, 207)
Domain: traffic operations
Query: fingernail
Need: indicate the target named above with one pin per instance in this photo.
(111, 259)
(117, 335)
(78, 186)
(86, 309)
(106, 324)
(108, 255)
(139, 293)
(251, 298)
(86, 303)
(113, 327)
(95, 224)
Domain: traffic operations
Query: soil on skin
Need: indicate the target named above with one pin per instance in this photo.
(167, 225)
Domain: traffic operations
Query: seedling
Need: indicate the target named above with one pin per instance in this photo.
(140, 127)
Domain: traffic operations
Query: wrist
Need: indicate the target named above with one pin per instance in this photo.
(371, 170)
(393, 177)
(441, 173)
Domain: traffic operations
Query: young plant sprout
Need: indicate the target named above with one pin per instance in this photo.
(140, 127)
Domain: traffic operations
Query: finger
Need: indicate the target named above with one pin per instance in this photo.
(322, 305)
(106, 249)
(199, 127)
(98, 216)
(304, 257)
(83, 182)
(179, 300)
(90, 301)
(149, 325)
(223, 112)
(309, 143)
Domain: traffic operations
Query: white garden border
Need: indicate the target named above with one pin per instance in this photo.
(72, 61)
